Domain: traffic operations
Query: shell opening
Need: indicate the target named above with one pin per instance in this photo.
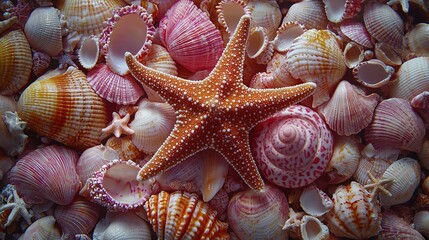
(232, 13)
(89, 52)
(368, 73)
(335, 10)
(353, 55)
(255, 44)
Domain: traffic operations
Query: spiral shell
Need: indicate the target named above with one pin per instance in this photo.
(312, 228)
(293, 147)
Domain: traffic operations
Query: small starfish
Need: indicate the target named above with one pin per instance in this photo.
(118, 126)
(378, 185)
(18, 207)
(405, 4)
(65, 59)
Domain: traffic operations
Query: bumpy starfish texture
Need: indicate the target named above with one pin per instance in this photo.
(217, 112)
(18, 208)
(378, 185)
(118, 126)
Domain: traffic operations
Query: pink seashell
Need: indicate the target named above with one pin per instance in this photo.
(356, 32)
(396, 125)
(337, 11)
(421, 222)
(394, 227)
(387, 54)
(47, 174)
(417, 39)
(373, 73)
(311, 14)
(89, 52)
(315, 202)
(286, 34)
(349, 111)
(190, 37)
(293, 147)
(256, 215)
(122, 226)
(133, 22)
(258, 45)
(122, 90)
(41, 62)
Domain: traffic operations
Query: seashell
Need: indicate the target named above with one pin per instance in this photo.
(190, 37)
(293, 147)
(12, 136)
(79, 217)
(122, 226)
(387, 54)
(197, 219)
(59, 94)
(337, 11)
(423, 155)
(7, 103)
(405, 173)
(87, 16)
(356, 32)
(159, 59)
(316, 56)
(214, 170)
(7, 23)
(373, 73)
(258, 45)
(417, 39)
(92, 159)
(89, 52)
(41, 63)
(421, 222)
(349, 110)
(425, 186)
(152, 124)
(15, 62)
(353, 54)
(311, 14)
(162, 6)
(219, 202)
(256, 215)
(312, 228)
(424, 5)
(315, 202)
(125, 148)
(115, 186)
(43, 30)
(394, 227)
(421, 104)
(6, 163)
(133, 22)
(229, 13)
(47, 174)
(43, 228)
(395, 125)
(122, 90)
(286, 34)
(355, 214)
(345, 160)
(383, 23)
(265, 13)
(412, 79)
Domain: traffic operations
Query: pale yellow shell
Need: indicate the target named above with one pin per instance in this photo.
(125, 148)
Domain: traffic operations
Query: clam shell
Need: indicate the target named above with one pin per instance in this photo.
(122, 226)
(373, 73)
(394, 227)
(387, 54)
(356, 32)
(46, 101)
(15, 62)
(421, 222)
(89, 52)
(229, 13)
(43, 228)
(286, 34)
(418, 39)
(159, 59)
(311, 14)
(315, 202)
(312, 228)
(265, 13)
(125, 148)
(92, 159)
(258, 45)
(353, 54)
(336, 11)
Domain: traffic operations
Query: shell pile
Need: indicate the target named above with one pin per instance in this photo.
(352, 161)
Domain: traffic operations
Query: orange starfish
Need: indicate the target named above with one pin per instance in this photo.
(217, 112)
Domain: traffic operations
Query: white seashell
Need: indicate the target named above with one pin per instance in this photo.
(92, 159)
(229, 13)
(213, 173)
(311, 14)
(353, 54)
(265, 13)
(312, 228)
(258, 45)
(44, 228)
(315, 202)
(417, 39)
(373, 73)
(89, 52)
(387, 54)
(337, 11)
(421, 222)
(12, 137)
(122, 226)
(286, 34)
(423, 155)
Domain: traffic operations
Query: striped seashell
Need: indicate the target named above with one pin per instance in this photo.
(122, 226)
(15, 62)
(122, 90)
(92, 159)
(86, 17)
(125, 148)
(256, 215)
(89, 52)
(229, 13)
(159, 59)
(258, 45)
(353, 54)
(286, 34)
(395, 125)
(311, 14)
(197, 220)
(162, 6)
(43, 228)
(417, 39)
(394, 227)
(355, 31)
(349, 110)
(373, 73)
(421, 222)
(7, 23)
(293, 147)
(385, 53)
(265, 13)
(383, 23)
(44, 30)
(337, 11)
(316, 56)
(47, 174)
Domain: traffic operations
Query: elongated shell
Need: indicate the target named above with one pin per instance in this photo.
(46, 101)
(47, 173)
(15, 62)
(255, 215)
(311, 14)
(122, 226)
(7, 23)
(181, 215)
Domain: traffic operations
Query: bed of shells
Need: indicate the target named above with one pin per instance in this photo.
(352, 161)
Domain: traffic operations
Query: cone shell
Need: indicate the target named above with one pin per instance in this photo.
(355, 215)
(418, 39)
(394, 227)
(311, 14)
(336, 11)
(265, 14)
(15, 62)
(122, 226)
(47, 173)
(356, 32)
(181, 215)
(46, 101)
(396, 125)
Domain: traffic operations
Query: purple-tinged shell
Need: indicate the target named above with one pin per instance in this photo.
(311, 14)
(394, 227)
(356, 32)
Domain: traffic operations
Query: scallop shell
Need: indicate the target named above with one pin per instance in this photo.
(373, 73)
(349, 110)
(312, 228)
(315, 202)
(159, 59)
(293, 147)
(47, 174)
(394, 227)
(125, 148)
(46, 101)
(311, 14)
(356, 32)
(418, 39)
(89, 52)
(395, 125)
(229, 13)
(421, 222)
(122, 226)
(286, 34)
(256, 215)
(43, 228)
(353, 54)
(337, 11)
(355, 214)
(43, 30)
(187, 217)
(92, 159)
(265, 13)
(15, 62)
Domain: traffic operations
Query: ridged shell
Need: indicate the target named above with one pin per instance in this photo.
(258, 45)
(159, 59)
(92, 159)
(421, 222)
(265, 13)
(293, 147)
(355, 215)
(312, 228)
(15, 62)
(349, 110)
(418, 39)
(47, 173)
(373, 73)
(122, 226)
(181, 215)
(43, 228)
(46, 101)
(394, 227)
(89, 52)
(256, 215)
(336, 11)
(229, 13)
(385, 53)
(311, 14)
(356, 31)
(286, 34)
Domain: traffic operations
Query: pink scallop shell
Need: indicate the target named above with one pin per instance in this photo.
(122, 90)
(293, 147)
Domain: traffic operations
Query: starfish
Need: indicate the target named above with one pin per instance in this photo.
(405, 4)
(118, 126)
(18, 207)
(378, 185)
(217, 112)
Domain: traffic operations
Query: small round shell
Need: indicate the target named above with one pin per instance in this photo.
(311, 14)
(258, 45)
(373, 73)
(229, 14)
(353, 54)
(312, 228)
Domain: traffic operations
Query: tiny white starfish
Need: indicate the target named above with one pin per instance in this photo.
(118, 126)
(18, 206)
(378, 185)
